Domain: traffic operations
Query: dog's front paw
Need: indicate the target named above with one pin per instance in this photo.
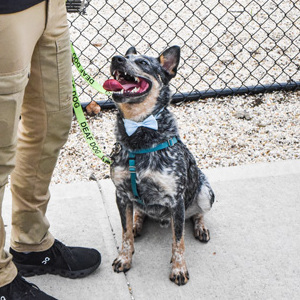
(121, 264)
(180, 276)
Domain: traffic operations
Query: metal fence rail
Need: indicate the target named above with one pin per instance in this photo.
(228, 46)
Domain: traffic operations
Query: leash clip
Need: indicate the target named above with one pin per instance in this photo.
(116, 149)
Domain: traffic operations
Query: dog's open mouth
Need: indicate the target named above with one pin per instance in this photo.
(126, 84)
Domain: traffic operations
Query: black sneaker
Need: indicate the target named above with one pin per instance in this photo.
(71, 262)
(20, 289)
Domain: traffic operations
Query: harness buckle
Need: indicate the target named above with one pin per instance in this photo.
(171, 142)
(132, 169)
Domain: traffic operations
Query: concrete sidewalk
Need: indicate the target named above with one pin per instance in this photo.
(254, 252)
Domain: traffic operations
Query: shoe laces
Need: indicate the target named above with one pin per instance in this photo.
(22, 288)
(61, 250)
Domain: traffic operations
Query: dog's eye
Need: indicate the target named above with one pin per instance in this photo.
(143, 62)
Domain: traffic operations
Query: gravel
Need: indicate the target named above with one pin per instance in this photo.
(220, 132)
(234, 44)
(223, 43)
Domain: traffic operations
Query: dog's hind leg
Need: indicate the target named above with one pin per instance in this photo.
(179, 273)
(205, 200)
(138, 220)
(123, 262)
(201, 233)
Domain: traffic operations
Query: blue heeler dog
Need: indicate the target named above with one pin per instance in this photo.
(153, 171)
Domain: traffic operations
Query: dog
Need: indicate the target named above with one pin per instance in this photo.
(153, 171)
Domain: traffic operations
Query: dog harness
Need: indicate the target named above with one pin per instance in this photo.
(169, 143)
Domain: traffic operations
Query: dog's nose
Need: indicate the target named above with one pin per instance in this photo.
(118, 59)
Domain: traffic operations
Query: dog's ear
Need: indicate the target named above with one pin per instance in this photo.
(169, 60)
(131, 50)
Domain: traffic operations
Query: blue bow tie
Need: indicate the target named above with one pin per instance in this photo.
(131, 126)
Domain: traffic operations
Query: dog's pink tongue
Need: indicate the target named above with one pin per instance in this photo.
(112, 85)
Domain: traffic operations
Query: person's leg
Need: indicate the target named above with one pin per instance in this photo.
(43, 129)
(18, 35)
(8, 270)
(45, 122)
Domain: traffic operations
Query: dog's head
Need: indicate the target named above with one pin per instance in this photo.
(139, 78)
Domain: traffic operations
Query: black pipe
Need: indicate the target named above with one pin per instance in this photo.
(193, 96)
(74, 6)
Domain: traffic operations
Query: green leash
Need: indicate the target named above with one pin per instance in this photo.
(91, 81)
(89, 137)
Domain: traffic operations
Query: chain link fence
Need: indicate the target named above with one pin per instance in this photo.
(227, 46)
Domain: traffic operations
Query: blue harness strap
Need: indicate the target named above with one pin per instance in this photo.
(132, 168)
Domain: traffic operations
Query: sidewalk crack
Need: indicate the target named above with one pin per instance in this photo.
(114, 236)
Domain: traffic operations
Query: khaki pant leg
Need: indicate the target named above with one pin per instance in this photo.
(18, 35)
(43, 129)
(10, 107)
(8, 271)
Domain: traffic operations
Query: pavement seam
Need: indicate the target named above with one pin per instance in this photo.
(115, 240)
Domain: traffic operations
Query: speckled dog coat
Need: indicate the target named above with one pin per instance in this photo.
(170, 186)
